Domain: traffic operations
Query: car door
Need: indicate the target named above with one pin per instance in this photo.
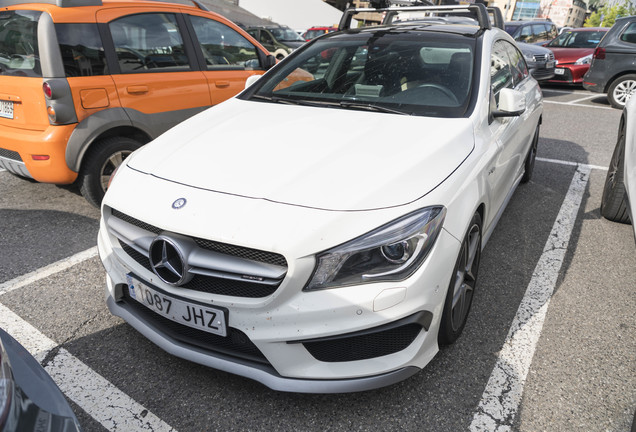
(227, 56)
(508, 70)
(154, 68)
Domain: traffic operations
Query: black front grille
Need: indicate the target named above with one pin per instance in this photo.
(237, 251)
(10, 154)
(235, 344)
(209, 284)
(372, 343)
(540, 58)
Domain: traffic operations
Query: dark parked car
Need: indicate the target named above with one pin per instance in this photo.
(532, 32)
(279, 40)
(613, 68)
(29, 399)
(573, 51)
(540, 60)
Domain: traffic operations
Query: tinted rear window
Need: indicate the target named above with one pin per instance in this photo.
(19, 54)
(82, 50)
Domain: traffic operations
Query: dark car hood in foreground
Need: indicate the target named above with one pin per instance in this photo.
(38, 404)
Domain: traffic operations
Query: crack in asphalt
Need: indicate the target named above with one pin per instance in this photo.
(53, 352)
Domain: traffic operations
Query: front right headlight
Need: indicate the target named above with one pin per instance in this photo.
(584, 60)
(390, 253)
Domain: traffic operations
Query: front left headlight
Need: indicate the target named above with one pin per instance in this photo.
(390, 253)
(584, 60)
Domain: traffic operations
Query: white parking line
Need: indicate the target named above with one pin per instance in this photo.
(550, 90)
(501, 398)
(562, 162)
(577, 105)
(56, 267)
(111, 407)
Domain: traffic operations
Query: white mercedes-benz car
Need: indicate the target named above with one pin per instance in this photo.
(339, 253)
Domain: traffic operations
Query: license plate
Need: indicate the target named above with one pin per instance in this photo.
(190, 314)
(6, 109)
(550, 64)
(559, 71)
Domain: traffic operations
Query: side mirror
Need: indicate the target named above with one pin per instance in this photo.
(251, 80)
(512, 103)
(270, 61)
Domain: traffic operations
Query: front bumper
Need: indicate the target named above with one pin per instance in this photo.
(280, 331)
(572, 74)
(540, 72)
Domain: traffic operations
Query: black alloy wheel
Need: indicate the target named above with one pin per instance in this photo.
(531, 158)
(614, 201)
(462, 285)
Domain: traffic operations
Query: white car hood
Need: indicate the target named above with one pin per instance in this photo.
(324, 158)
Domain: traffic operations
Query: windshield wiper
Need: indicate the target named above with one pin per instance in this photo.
(371, 107)
(279, 99)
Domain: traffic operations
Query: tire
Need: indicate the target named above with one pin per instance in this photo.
(621, 90)
(614, 201)
(462, 285)
(531, 158)
(100, 162)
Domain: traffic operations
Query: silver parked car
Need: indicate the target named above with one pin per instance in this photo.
(618, 203)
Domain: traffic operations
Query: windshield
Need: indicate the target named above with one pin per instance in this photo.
(511, 29)
(407, 73)
(19, 43)
(577, 39)
(286, 34)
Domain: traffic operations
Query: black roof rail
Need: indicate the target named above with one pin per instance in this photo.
(497, 17)
(60, 3)
(477, 11)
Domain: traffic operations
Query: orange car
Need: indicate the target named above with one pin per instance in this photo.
(83, 83)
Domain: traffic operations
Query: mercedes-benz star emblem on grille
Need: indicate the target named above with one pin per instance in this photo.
(180, 203)
(168, 262)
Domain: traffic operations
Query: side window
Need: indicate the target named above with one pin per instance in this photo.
(500, 69)
(266, 38)
(518, 66)
(222, 47)
(540, 33)
(629, 35)
(552, 32)
(526, 34)
(146, 42)
(19, 43)
(82, 50)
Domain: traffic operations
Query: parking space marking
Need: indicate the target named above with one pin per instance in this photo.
(562, 162)
(47, 271)
(593, 96)
(111, 407)
(577, 105)
(549, 90)
(501, 398)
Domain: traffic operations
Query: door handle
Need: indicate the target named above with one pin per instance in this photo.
(222, 84)
(137, 89)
